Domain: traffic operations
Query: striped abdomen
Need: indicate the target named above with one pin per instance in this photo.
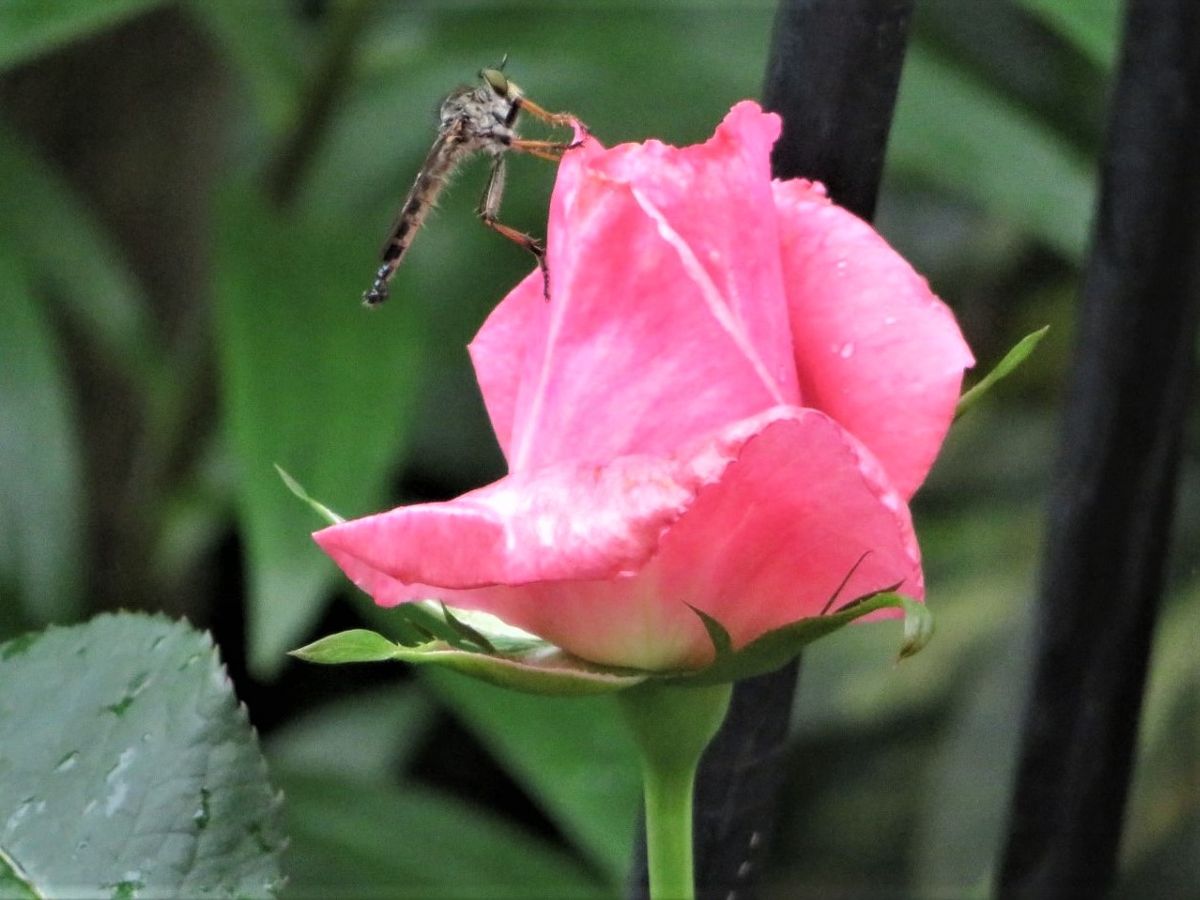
(446, 153)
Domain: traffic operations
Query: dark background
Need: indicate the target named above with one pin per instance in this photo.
(192, 198)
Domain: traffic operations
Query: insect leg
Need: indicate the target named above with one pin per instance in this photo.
(564, 119)
(489, 210)
(551, 150)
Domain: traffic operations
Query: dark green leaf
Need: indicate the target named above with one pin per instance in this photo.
(368, 735)
(364, 838)
(959, 134)
(41, 483)
(127, 759)
(1091, 26)
(33, 27)
(265, 44)
(573, 755)
(313, 383)
(1013, 358)
(42, 215)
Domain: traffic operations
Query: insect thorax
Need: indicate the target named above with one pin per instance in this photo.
(481, 116)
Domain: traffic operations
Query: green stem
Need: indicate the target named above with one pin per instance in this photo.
(672, 725)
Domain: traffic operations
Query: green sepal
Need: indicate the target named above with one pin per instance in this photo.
(773, 649)
(466, 633)
(1013, 358)
(298, 489)
(355, 646)
(535, 668)
(717, 633)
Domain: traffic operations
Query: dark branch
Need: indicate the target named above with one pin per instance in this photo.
(1110, 519)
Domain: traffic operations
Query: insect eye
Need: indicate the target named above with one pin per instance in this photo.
(496, 79)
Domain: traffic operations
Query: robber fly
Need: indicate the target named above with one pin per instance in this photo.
(472, 119)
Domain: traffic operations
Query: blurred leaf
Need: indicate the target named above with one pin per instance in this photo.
(263, 41)
(129, 767)
(1164, 799)
(957, 133)
(572, 755)
(966, 791)
(64, 245)
(41, 482)
(311, 382)
(361, 838)
(365, 736)
(30, 28)
(1090, 25)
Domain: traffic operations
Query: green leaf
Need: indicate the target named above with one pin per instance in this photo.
(368, 734)
(311, 382)
(965, 820)
(410, 841)
(573, 755)
(41, 479)
(773, 649)
(128, 761)
(1013, 358)
(42, 215)
(264, 42)
(957, 133)
(1090, 25)
(33, 27)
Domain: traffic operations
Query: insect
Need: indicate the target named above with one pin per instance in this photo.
(473, 119)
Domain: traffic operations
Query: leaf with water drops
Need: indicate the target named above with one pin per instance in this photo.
(129, 769)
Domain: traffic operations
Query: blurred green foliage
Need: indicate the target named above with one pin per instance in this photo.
(193, 197)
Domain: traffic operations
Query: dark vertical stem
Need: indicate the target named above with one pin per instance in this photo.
(1111, 515)
(832, 75)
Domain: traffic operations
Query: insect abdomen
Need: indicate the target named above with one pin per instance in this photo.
(433, 176)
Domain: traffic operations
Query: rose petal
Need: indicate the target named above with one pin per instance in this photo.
(713, 198)
(757, 526)
(573, 520)
(640, 328)
(690, 340)
(875, 348)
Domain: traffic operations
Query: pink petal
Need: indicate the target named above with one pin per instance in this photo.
(573, 520)
(757, 526)
(688, 338)
(875, 349)
(498, 354)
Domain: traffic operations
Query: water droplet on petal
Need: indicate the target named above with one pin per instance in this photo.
(846, 350)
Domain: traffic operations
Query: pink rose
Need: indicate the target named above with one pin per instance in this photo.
(729, 399)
